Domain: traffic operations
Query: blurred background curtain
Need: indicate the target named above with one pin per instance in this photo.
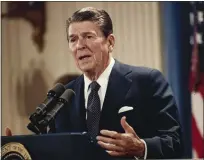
(183, 28)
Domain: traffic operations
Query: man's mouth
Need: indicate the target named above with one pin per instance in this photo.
(84, 57)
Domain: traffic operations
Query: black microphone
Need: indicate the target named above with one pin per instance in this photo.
(65, 99)
(44, 107)
(52, 95)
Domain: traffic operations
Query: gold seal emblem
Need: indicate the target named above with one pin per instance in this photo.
(14, 150)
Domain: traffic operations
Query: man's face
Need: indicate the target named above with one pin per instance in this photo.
(89, 46)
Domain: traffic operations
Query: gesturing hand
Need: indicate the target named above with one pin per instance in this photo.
(8, 131)
(122, 144)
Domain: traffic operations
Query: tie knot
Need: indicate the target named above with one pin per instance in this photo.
(94, 86)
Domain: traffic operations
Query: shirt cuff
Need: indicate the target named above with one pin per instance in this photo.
(145, 155)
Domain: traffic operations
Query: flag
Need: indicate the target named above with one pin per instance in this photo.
(196, 81)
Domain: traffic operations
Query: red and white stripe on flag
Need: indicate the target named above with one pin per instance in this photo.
(197, 99)
(197, 80)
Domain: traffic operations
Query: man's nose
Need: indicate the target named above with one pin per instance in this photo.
(81, 44)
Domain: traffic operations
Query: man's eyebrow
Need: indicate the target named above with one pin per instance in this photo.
(83, 33)
(70, 36)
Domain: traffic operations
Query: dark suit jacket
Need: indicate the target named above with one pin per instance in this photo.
(154, 116)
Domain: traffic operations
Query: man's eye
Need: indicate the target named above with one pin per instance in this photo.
(72, 40)
(89, 36)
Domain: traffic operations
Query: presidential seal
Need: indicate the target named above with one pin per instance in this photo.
(14, 150)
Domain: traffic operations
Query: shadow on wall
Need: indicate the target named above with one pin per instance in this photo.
(65, 79)
(32, 89)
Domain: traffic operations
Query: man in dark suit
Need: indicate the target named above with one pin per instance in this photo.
(129, 110)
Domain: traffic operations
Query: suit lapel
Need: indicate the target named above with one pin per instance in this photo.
(79, 120)
(117, 89)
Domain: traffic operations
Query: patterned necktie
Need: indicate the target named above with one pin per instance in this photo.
(93, 110)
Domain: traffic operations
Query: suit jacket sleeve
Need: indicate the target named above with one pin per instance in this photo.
(166, 143)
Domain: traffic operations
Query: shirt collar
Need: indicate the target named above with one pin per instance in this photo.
(103, 78)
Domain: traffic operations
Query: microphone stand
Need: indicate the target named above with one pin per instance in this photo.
(37, 124)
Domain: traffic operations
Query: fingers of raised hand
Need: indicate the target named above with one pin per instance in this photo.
(8, 132)
(127, 128)
(109, 140)
(111, 147)
(112, 134)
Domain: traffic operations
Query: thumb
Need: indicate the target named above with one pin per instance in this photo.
(8, 132)
(127, 128)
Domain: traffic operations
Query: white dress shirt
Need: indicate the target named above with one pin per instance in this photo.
(103, 82)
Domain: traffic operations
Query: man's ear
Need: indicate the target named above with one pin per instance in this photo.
(111, 40)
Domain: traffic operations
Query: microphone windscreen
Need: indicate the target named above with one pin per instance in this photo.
(58, 89)
(67, 95)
